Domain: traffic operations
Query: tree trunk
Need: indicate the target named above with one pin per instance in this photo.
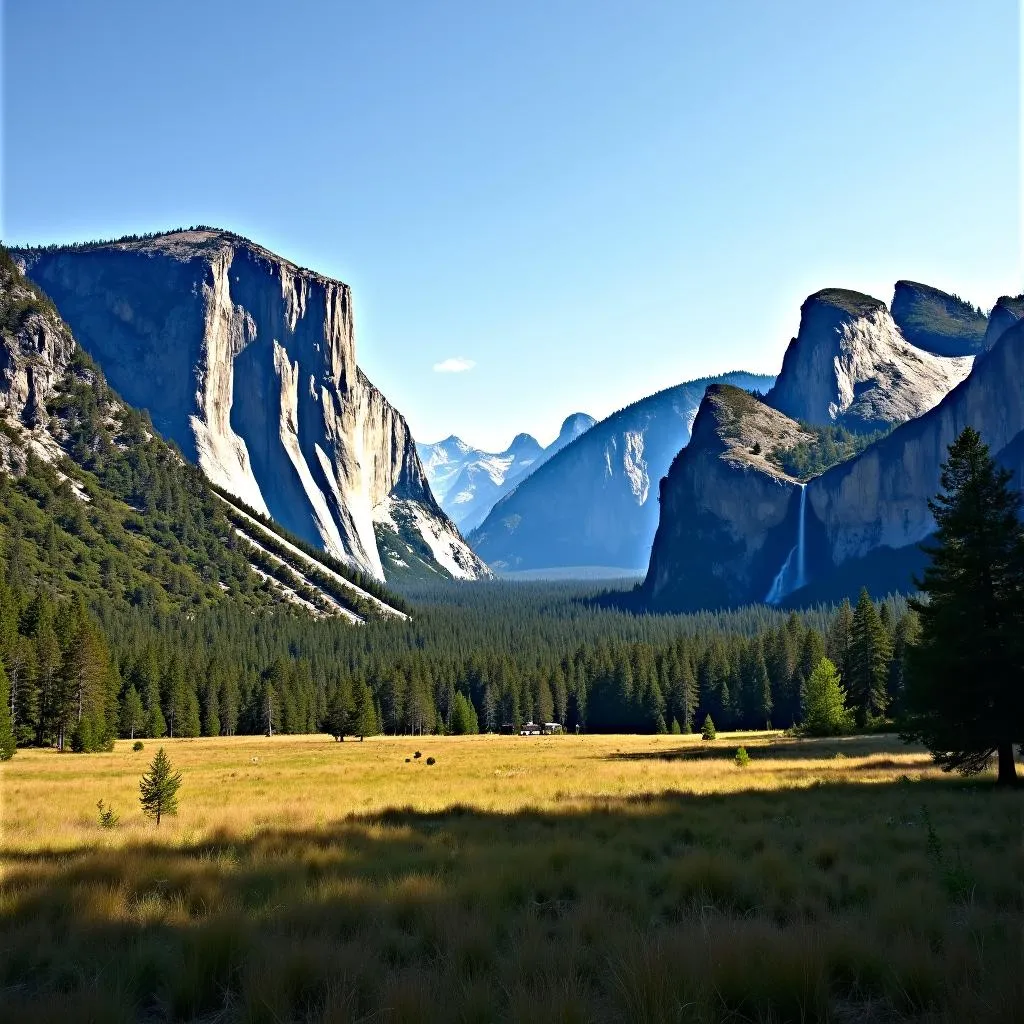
(1007, 767)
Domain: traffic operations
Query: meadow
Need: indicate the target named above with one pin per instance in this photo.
(593, 878)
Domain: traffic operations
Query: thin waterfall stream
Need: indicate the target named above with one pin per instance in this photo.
(793, 574)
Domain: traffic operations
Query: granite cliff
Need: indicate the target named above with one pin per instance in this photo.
(731, 520)
(850, 364)
(248, 363)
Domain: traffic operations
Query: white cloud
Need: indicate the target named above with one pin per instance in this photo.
(456, 364)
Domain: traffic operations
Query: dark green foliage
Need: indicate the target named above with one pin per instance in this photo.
(825, 712)
(831, 445)
(964, 695)
(138, 745)
(708, 731)
(870, 654)
(8, 743)
(158, 788)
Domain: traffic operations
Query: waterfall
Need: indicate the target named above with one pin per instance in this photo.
(793, 574)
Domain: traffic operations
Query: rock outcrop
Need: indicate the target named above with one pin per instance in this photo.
(850, 365)
(728, 521)
(248, 363)
(1005, 314)
(937, 322)
(725, 506)
(35, 349)
(468, 482)
(594, 505)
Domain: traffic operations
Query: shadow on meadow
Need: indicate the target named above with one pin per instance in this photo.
(783, 748)
(833, 902)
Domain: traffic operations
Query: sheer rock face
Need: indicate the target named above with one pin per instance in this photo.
(248, 363)
(728, 519)
(723, 505)
(850, 365)
(937, 322)
(880, 498)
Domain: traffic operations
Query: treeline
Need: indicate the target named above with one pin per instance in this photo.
(95, 242)
(461, 665)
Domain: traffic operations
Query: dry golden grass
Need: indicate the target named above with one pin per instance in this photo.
(555, 878)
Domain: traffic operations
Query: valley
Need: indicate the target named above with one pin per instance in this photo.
(680, 682)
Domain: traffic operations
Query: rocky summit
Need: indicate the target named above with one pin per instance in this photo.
(248, 363)
(850, 364)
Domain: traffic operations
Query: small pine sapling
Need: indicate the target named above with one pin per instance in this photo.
(742, 757)
(708, 731)
(108, 816)
(158, 788)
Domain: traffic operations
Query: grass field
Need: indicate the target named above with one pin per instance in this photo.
(542, 879)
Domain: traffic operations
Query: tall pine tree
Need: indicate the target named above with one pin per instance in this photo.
(965, 681)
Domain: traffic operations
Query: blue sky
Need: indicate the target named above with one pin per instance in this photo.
(587, 201)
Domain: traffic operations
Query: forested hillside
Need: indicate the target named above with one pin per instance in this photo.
(99, 516)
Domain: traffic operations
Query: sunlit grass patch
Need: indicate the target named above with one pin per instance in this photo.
(572, 878)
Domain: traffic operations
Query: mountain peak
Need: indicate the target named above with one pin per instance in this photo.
(572, 427)
(523, 442)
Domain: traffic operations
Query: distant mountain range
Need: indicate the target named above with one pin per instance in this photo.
(468, 481)
(594, 503)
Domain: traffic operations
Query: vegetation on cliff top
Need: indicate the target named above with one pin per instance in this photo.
(830, 446)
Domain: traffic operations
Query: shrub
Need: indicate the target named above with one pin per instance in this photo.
(138, 745)
(708, 731)
(742, 757)
(431, 760)
(417, 754)
(108, 816)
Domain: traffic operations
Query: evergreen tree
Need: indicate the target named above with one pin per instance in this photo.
(47, 656)
(156, 724)
(338, 721)
(8, 745)
(464, 719)
(158, 788)
(364, 714)
(211, 709)
(840, 633)
(825, 712)
(868, 662)
(708, 732)
(133, 715)
(964, 695)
